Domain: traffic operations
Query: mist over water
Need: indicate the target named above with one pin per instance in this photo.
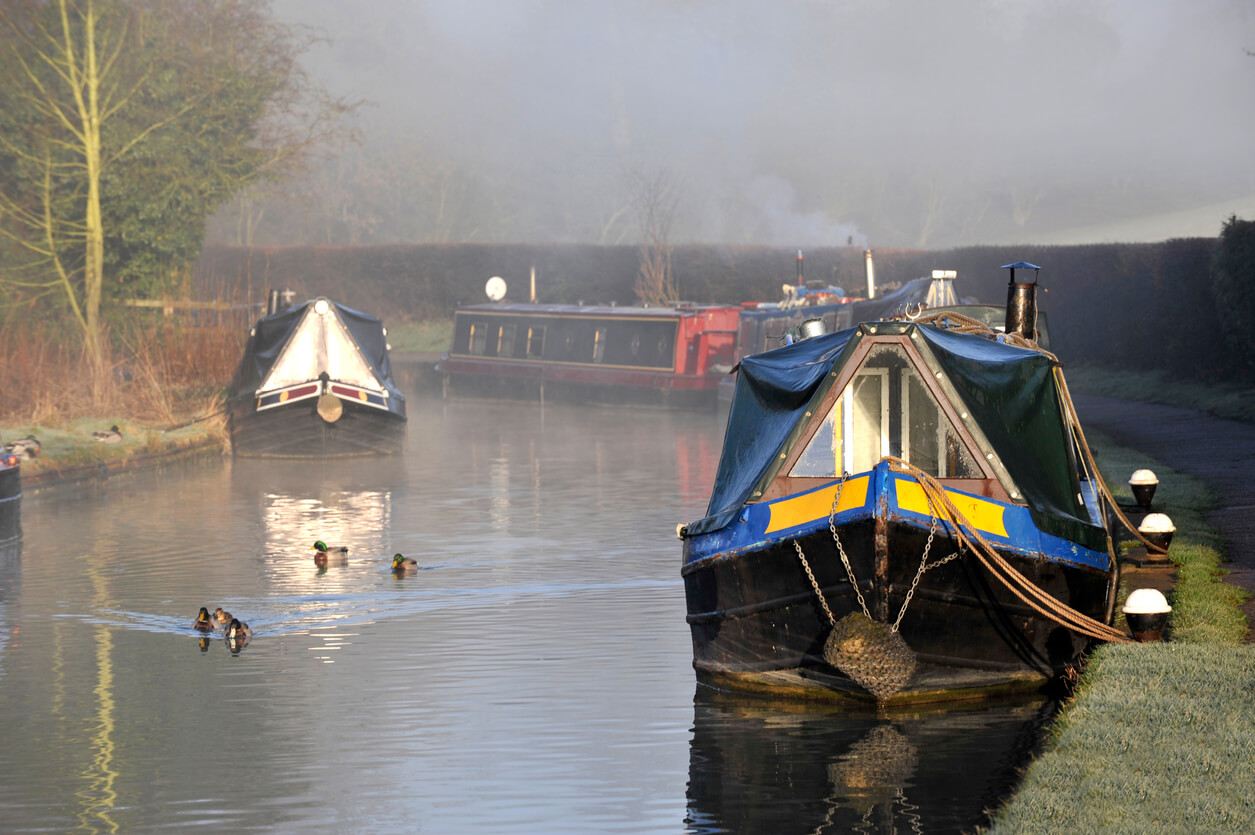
(799, 123)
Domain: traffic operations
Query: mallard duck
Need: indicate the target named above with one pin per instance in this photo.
(27, 447)
(402, 563)
(324, 556)
(238, 631)
(222, 618)
(111, 436)
(203, 622)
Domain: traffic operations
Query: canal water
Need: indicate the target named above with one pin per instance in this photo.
(533, 676)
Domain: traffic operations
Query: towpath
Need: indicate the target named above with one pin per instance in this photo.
(1217, 451)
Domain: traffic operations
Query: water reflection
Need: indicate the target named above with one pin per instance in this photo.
(762, 766)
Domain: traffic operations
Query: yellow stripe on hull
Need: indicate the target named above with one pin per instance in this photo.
(985, 515)
(789, 513)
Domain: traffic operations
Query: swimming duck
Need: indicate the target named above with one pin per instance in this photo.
(324, 556)
(402, 563)
(238, 631)
(222, 618)
(111, 436)
(203, 622)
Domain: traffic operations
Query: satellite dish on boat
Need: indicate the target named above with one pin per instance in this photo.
(495, 288)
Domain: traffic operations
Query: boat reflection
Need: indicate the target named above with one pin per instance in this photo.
(765, 766)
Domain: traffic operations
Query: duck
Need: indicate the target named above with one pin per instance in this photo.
(324, 555)
(237, 631)
(222, 618)
(402, 563)
(322, 548)
(26, 448)
(110, 436)
(203, 622)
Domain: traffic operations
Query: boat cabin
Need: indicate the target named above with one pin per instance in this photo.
(982, 416)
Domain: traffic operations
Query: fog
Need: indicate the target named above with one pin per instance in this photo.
(787, 123)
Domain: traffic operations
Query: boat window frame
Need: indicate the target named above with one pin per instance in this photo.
(535, 337)
(782, 484)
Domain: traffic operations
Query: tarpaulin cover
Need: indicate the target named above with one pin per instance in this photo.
(772, 390)
(271, 334)
(1010, 392)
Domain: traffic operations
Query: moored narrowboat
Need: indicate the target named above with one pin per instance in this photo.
(316, 381)
(660, 356)
(10, 496)
(903, 512)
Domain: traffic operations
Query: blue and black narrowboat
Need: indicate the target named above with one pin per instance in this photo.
(316, 381)
(903, 511)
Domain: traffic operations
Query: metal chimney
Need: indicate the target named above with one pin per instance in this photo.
(870, 268)
(1022, 302)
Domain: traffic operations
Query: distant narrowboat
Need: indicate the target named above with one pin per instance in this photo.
(903, 512)
(316, 381)
(662, 356)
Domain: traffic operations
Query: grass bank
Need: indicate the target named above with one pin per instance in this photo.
(1157, 737)
(1226, 400)
(432, 336)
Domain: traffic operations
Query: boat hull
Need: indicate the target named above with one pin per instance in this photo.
(757, 623)
(10, 503)
(296, 430)
(597, 386)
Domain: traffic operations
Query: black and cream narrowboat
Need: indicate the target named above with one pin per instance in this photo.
(316, 381)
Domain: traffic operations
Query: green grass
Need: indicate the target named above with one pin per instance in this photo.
(428, 337)
(1227, 400)
(1158, 737)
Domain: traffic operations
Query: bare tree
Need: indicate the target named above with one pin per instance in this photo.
(655, 200)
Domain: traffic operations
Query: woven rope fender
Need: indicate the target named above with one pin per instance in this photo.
(871, 653)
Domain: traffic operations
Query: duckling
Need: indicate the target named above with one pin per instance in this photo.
(222, 618)
(238, 631)
(203, 622)
(402, 564)
(111, 436)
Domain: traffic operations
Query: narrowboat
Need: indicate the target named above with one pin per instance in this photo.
(904, 511)
(315, 381)
(669, 356)
(10, 497)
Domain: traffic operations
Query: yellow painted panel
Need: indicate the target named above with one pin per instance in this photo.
(799, 510)
(982, 513)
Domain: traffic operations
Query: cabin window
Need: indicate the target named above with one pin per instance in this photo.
(505, 340)
(599, 344)
(479, 338)
(535, 341)
(885, 409)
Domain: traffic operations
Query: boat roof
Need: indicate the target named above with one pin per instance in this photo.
(308, 339)
(1011, 393)
(532, 309)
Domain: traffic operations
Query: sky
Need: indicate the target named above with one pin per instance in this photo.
(818, 122)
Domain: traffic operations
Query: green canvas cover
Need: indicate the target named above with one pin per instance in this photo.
(1010, 392)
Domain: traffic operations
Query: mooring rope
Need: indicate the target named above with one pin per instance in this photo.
(965, 324)
(1019, 585)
